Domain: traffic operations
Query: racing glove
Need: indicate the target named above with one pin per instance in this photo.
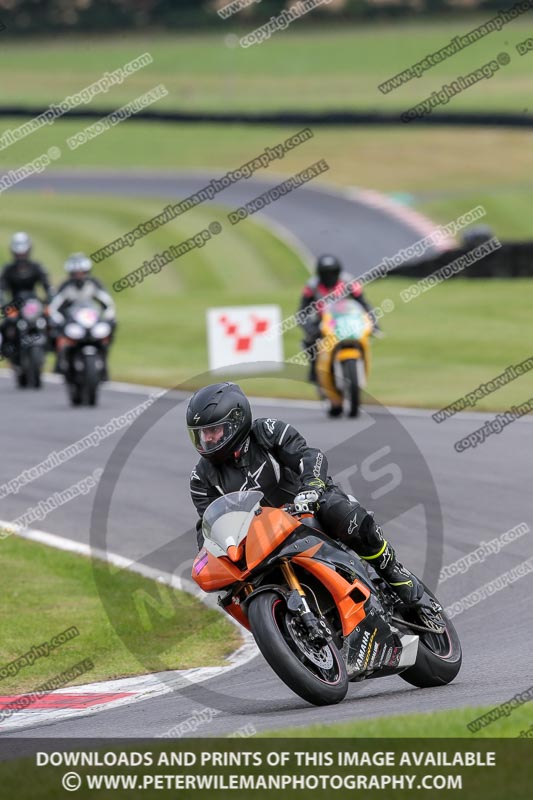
(308, 499)
(306, 502)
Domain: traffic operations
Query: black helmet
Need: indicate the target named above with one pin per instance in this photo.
(219, 419)
(328, 269)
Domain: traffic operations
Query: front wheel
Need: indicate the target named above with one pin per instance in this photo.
(439, 657)
(351, 386)
(74, 393)
(21, 378)
(33, 362)
(91, 381)
(317, 674)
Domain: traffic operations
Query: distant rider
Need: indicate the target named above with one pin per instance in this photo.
(79, 287)
(331, 281)
(238, 454)
(19, 277)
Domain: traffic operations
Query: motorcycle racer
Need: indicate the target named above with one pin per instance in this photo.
(330, 281)
(19, 277)
(240, 454)
(78, 287)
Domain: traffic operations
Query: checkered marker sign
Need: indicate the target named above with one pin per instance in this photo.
(237, 335)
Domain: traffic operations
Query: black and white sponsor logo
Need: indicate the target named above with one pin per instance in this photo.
(386, 558)
(364, 644)
(270, 425)
(352, 526)
(252, 481)
(318, 464)
(374, 656)
(363, 658)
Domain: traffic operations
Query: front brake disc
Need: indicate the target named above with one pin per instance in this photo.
(322, 657)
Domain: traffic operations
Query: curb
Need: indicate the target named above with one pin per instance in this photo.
(134, 689)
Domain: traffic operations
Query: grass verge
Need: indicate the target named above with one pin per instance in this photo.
(458, 167)
(439, 724)
(448, 340)
(301, 68)
(334, 67)
(47, 591)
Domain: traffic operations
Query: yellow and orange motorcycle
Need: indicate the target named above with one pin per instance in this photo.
(343, 355)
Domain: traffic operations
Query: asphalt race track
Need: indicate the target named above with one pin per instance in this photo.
(324, 221)
(406, 470)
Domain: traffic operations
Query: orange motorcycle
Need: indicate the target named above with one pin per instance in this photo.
(320, 616)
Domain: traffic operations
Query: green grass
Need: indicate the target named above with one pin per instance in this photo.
(444, 172)
(336, 67)
(447, 341)
(46, 591)
(439, 724)
(509, 211)
(162, 337)
(299, 68)
(442, 165)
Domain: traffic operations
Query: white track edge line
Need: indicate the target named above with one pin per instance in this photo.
(245, 653)
(123, 387)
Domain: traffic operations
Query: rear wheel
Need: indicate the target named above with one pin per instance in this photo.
(317, 674)
(351, 386)
(439, 656)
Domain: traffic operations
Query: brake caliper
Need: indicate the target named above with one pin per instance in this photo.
(317, 628)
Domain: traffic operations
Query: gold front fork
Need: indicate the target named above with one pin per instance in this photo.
(290, 577)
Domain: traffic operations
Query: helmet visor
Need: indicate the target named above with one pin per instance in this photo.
(329, 276)
(213, 437)
(20, 246)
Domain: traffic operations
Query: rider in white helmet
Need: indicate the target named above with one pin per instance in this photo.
(80, 286)
(18, 278)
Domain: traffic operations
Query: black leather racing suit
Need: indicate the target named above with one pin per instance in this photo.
(22, 276)
(18, 278)
(276, 460)
(313, 295)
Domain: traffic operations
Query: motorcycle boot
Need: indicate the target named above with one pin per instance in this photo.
(406, 586)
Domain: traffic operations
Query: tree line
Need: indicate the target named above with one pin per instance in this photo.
(41, 16)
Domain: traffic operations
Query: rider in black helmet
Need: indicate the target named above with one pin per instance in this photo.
(328, 270)
(239, 454)
(330, 280)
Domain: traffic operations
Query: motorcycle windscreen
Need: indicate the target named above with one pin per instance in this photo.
(348, 319)
(227, 520)
(85, 314)
(32, 309)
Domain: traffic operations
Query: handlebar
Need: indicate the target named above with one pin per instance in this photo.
(290, 508)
